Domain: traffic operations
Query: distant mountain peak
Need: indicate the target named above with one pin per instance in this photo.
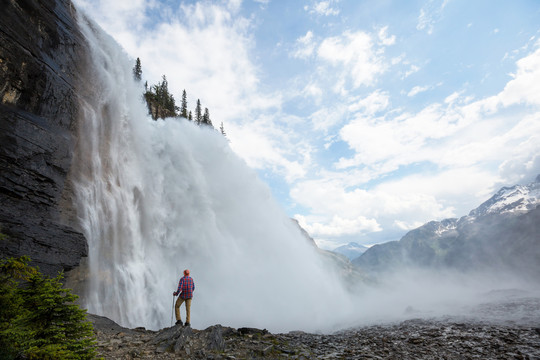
(517, 198)
(351, 250)
(488, 238)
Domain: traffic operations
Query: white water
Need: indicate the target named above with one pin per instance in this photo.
(155, 198)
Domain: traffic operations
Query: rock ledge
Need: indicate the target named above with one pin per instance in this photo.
(412, 339)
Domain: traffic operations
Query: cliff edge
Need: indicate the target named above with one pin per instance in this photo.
(41, 63)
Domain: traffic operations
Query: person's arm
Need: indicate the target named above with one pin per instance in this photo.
(179, 290)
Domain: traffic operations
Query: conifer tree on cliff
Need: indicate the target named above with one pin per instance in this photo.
(160, 102)
(137, 70)
(222, 130)
(206, 117)
(183, 107)
(198, 113)
(190, 116)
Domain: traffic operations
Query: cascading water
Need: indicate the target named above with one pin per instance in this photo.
(156, 197)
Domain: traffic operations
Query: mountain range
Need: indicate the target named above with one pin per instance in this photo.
(502, 233)
(351, 250)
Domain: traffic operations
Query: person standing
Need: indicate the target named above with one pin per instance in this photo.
(186, 287)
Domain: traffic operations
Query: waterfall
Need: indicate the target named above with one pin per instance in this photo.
(156, 197)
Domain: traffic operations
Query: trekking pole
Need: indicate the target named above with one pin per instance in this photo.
(172, 310)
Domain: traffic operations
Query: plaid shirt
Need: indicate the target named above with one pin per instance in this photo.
(186, 287)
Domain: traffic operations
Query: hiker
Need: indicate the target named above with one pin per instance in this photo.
(186, 286)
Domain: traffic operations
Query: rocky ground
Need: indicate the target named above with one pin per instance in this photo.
(489, 335)
(412, 339)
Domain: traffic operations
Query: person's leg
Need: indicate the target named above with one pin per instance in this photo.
(179, 302)
(188, 311)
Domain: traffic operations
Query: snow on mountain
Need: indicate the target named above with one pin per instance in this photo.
(518, 198)
(445, 226)
(502, 233)
(351, 250)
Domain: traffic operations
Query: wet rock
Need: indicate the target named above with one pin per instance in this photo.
(252, 331)
(214, 338)
(41, 57)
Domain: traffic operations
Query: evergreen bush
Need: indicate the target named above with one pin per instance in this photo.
(38, 318)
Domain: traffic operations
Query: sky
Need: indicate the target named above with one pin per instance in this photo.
(366, 118)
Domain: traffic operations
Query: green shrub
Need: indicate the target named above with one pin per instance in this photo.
(38, 318)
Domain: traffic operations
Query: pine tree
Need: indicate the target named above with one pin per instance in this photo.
(190, 116)
(206, 117)
(59, 326)
(198, 113)
(183, 107)
(38, 318)
(137, 70)
(222, 130)
(160, 102)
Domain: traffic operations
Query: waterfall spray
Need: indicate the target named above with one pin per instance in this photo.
(155, 197)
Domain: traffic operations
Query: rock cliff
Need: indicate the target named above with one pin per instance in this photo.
(41, 65)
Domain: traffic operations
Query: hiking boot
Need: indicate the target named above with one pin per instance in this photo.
(179, 322)
(188, 324)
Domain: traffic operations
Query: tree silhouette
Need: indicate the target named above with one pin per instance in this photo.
(198, 113)
(137, 70)
(160, 102)
(222, 130)
(183, 107)
(206, 117)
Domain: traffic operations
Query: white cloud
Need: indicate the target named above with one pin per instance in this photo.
(325, 118)
(323, 8)
(373, 103)
(304, 46)
(450, 99)
(275, 148)
(403, 225)
(336, 211)
(339, 226)
(384, 38)
(430, 14)
(525, 86)
(417, 90)
(457, 133)
(413, 69)
(313, 90)
(474, 147)
(356, 54)
(445, 185)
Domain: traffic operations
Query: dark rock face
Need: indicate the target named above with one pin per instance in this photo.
(41, 63)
